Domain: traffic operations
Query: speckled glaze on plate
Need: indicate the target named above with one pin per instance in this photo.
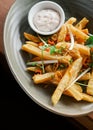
(16, 23)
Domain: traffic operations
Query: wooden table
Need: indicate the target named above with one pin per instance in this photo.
(4, 8)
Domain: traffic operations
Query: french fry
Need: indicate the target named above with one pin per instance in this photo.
(32, 43)
(74, 92)
(36, 51)
(62, 33)
(86, 31)
(71, 20)
(42, 78)
(31, 37)
(66, 80)
(78, 33)
(31, 69)
(82, 23)
(84, 50)
(85, 76)
(77, 87)
(90, 85)
(87, 97)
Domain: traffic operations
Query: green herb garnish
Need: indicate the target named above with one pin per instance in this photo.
(52, 49)
(89, 42)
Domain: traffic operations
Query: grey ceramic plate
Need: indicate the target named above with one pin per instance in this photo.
(16, 23)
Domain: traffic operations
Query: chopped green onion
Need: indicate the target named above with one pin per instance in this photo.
(52, 49)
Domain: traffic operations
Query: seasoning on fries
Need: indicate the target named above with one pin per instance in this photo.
(64, 59)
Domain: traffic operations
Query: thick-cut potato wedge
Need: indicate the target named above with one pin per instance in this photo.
(66, 80)
(31, 37)
(42, 78)
(78, 33)
(86, 31)
(77, 87)
(62, 33)
(87, 97)
(71, 20)
(82, 23)
(32, 43)
(79, 95)
(31, 69)
(85, 76)
(90, 85)
(46, 55)
(84, 50)
(73, 92)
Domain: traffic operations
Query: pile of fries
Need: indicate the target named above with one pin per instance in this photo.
(64, 60)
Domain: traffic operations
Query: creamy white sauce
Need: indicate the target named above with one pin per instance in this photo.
(46, 20)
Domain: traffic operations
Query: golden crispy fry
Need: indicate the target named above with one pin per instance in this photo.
(62, 44)
(85, 76)
(82, 23)
(77, 87)
(71, 20)
(78, 33)
(84, 50)
(31, 37)
(42, 78)
(46, 55)
(62, 33)
(87, 97)
(66, 80)
(32, 43)
(90, 85)
(73, 92)
(31, 69)
(58, 76)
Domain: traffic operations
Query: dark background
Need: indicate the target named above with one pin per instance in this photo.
(17, 110)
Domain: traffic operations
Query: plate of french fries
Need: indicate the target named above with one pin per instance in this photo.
(55, 71)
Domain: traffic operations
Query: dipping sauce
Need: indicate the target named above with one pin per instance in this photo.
(46, 20)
